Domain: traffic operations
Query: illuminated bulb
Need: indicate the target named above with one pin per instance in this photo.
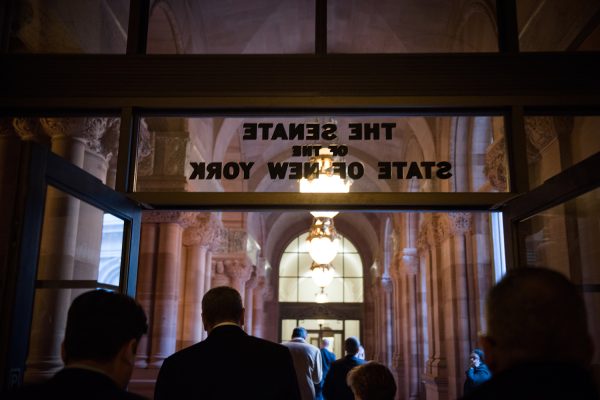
(322, 275)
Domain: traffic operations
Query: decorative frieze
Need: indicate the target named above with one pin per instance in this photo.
(203, 229)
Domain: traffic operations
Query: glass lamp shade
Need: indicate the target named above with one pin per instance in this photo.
(322, 240)
(322, 274)
(321, 297)
(326, 179)
(322, 249)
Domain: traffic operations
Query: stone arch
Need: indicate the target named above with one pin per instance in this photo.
(477, 22)
(164, 35)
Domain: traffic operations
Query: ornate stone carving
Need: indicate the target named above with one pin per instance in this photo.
(28, 128)
(410, 261)
(495, 165)
(237, 269)
(460, 222)
(425, 238)
(442, 228)
(145, 151)
(159, 217)
(540, 132)
(203, 229)
(109, 142)
(90, 130)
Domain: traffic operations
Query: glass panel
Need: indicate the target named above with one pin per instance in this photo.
(372, 154)
(232, 27)
(325, 324)
(304, 263)
(335, 291)
(90, 143)
(558, 25)
(302, 244)
(111, 250)
(288, 289)
(287, 327)
(352, 329)
(348, 246)
(293, 246)
(555, 143)
(353, 290)
(288, 265)
(410, 26)
(66, 26)
(352, 265)
(80, 250)
(308, 290)
(565, 238)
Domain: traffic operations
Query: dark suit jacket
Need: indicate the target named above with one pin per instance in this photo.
(76, 383)
(335, 387)
(229, 364)
(327, 357)
(538, 381)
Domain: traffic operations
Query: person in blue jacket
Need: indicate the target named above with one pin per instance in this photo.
(477, 373)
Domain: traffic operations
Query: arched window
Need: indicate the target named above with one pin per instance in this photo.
(296, 284)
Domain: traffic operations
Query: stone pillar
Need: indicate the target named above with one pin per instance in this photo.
(168, 264)
(198, 238)
(145, 284)
(409, 266)
(69, 138)
(249, 304)
(436, 375)
(258, 302)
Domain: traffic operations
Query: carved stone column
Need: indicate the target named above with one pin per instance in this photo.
(258, 303)
(70, 137)
(197, 238)
(166, 291)
(409, 267)
(145, 284)
(249, 304)
(238, 270)
(436, 376)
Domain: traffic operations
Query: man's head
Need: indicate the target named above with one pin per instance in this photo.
(476, 357)
(326, 343)
(372, 381)
(299, 332)
(351, 346)
(103, 329)
(222, 304)
(536, 314)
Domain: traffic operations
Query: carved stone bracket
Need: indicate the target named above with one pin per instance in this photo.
(460, 223)
(29, 129)
(159, 217)
(495, 165)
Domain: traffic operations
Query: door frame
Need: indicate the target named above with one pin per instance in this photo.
(38, 168)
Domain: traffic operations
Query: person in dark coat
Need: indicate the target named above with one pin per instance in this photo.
(538, 344)
(477, 373)
(229, 364)
(327, 358)
(335, 387)
(101, 337)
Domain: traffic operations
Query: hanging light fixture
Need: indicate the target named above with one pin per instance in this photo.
(322, 240)
(322, 274)
(321, 297)
(325, 179)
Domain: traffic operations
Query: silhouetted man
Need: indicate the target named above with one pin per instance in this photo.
(307, 362)
(101, 337)
(229, 364)
(537, 345)
(335, 387)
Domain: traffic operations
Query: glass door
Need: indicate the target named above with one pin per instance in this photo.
(77, 234)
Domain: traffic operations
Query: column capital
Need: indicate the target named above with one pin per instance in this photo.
(204, 229)
(29, 129)
(237, 269)
(98, 133)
